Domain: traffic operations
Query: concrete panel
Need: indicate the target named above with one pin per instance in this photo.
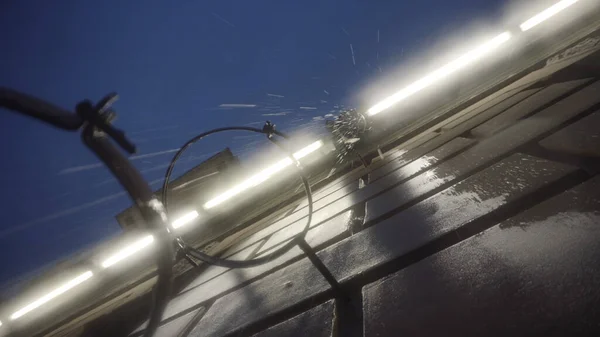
(316, 322)
(279, 290)
(173, 328)
(487, 150)
(531, 103)
(374, 246)
(533, 275)
(317, 236)
(581, 138)
(198, 292)
(453, 146)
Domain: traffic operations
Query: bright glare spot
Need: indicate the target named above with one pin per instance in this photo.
(546, 14)
(51, 295)
(441, 73)
(128, 251)
(262, 175)
(249, 183)
(185, 219)
(308, 150)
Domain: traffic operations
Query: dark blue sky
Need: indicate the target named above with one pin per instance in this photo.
(173, 63)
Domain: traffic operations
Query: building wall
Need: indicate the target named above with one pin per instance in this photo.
(188, 188)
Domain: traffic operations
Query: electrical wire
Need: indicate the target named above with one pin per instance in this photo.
(191, 252)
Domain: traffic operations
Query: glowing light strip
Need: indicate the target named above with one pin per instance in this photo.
(128, 251)
(546, 14)
(51, 295)
(441, 73)
(185, 219)
(262, 175)
(308, 150)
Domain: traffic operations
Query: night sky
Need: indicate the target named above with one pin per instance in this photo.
(174, 63)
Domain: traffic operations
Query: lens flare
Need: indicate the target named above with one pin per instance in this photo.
(128, 251)
(262, 175)
(51, 295)
(450, 68)
(185, 219)
(547, 14)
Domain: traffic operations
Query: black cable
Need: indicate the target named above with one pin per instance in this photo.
(99, 118)
(269, 131)
(362, 160)
(37, 108)
(95, 123)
